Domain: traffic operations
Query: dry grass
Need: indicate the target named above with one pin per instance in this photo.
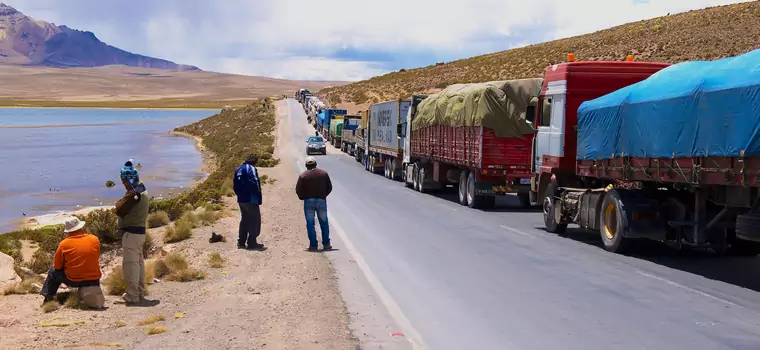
(155, 330)
(151, 320)
(707, 34)
(148, 245)
(207, 217)
(24, 287)
(50, 306)
(187, 275)
(215, 260)
(114, 283)
(189, 218)
(181, 231)
(120, 324)
(158, 219)
(56, 323)
(155, 269)
(176, 262)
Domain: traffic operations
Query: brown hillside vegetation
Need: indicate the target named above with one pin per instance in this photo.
(707, 34)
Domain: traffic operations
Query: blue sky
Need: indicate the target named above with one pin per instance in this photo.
(337, 39)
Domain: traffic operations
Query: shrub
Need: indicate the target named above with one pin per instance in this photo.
(155, 269)
(174, 207)
(148, 245)
(151, 320)
(180, 232)
(114, 282)
(187, 275)
(188, 218)
(50, 306)
(176, 262)
(41, 261)
(158, 219)
(49, 237)
(103, 224)
(215, 260)
(207, 217)
(155, 330)
(24, 287)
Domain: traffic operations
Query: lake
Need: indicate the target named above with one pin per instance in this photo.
(59, 159)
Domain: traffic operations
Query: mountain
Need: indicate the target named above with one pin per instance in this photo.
(25, 41)
(706, 34)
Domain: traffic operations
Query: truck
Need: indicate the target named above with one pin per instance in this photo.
(348, 141)
(476, 137)
(336, 131)
(384, 150)
(302, 94)
(360, 140)
(673, 157)
(323, 120)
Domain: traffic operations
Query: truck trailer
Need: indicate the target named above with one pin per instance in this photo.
(360, 138)
(673, 158)
(336, 131)
(348, 140)
(474, 136)
(384, 144)
(324, 118)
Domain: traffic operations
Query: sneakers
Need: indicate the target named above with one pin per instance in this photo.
(313, 249)
(241, 247)
(327, 247)
(256, 246)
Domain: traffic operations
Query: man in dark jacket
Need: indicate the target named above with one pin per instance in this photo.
(248, 190)
(313, 187)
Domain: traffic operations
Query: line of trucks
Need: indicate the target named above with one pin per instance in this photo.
(631, 150)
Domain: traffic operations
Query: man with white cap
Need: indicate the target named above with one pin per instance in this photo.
(312, 188)
(76, 262)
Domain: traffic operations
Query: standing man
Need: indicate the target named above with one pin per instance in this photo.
(248, 190)
(312, 188)
(76, 263)
(132, 210)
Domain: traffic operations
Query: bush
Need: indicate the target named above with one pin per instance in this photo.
(24, 287)
(215, 260)
(114, 282)
(174, 207)
(208, 217)
(41, 261)
(50, 306)
(155, 330)
(176, 262)
(187, 275)
(181, 231)
(148, 245)
(103, 224)
(151, 320)
(49, 237)
(155, 269)
(188, 218)
(158, 219)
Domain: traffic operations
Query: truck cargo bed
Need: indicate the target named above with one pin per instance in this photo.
(473, 147)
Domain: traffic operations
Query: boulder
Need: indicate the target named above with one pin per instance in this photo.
(8, 275)
(91, 297)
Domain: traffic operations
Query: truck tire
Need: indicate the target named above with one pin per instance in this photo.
(392, 171)
(748, 227)
(549, 207)
(386, 170)
(613, 223)
(421, 180)
(372, 164)
(415, 179)
(474, 201)
(463, 176)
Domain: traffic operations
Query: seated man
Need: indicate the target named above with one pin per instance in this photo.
(76, 263)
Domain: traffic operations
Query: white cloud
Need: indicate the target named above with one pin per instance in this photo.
(299, 39)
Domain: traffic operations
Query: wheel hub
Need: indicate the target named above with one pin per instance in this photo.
(610, 221)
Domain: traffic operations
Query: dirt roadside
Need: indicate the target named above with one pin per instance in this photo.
(282, 298)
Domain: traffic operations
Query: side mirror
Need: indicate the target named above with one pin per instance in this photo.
(399, 130)
(530, 114)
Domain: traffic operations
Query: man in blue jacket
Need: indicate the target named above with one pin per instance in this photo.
(248, 190)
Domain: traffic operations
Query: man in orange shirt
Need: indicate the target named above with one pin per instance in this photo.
(77, 260)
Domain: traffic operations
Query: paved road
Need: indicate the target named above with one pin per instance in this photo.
(467, 279)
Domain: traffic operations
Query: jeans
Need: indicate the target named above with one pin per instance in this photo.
(316, 206)
(54, 280)
(133, 266)
(250, 224)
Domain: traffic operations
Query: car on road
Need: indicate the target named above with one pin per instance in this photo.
(316, 144)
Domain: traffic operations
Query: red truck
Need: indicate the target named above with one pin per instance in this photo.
(475, 136)
(624, 149)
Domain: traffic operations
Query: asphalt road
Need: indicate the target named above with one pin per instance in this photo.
(468, 279)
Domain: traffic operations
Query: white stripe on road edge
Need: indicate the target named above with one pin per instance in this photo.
(675, 284)
(410, 333)
(516, 231)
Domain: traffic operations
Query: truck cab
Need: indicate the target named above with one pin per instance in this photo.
(565, 87)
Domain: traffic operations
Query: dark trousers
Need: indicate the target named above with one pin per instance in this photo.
(56, 277)
(250, 224)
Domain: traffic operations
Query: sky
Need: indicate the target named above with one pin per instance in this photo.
(337, 39)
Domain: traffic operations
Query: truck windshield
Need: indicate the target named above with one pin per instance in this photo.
(315, 139)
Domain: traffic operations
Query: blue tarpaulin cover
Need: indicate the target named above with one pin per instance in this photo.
(321, 118)
(691, 109)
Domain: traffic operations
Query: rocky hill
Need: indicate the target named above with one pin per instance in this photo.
(707, 34)
(25, 41)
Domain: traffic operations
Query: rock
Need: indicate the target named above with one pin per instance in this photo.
(8, 275)
(91, 297)
(27, 273)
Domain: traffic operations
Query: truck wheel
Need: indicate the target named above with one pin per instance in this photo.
(372, 165)
(748, 227)
(386, 170)
(613, 223)
(365, 160)
(549, 206)
(415, 178)
(421, 181)
(463, 176)
(473, 201)
(392, 170)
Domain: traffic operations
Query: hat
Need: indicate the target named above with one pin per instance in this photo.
(311, 160)
(73, 224)
(129, 173)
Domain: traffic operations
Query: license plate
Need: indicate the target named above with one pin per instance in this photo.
(524, 181)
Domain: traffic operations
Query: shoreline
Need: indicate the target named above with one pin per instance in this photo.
(208, 165)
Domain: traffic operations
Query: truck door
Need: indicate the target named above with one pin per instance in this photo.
(550, 141)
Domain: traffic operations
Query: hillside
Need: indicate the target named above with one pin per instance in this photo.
(120, 86)
(25, 41)
(707, 34)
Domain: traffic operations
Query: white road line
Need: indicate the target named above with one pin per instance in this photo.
(675, 284)
(521, 233)
(410, 333)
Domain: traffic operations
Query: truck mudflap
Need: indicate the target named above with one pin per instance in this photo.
(491, 188)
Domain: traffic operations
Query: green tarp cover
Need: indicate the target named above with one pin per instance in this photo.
(497, 105)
